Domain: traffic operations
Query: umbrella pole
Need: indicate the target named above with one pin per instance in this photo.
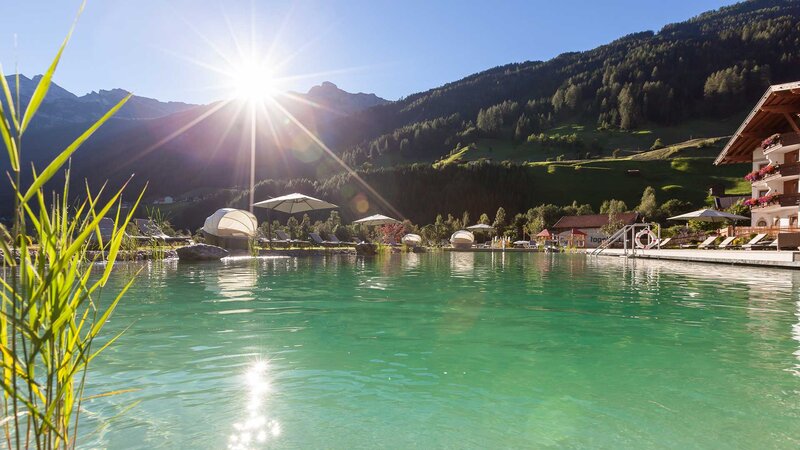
(269, 230)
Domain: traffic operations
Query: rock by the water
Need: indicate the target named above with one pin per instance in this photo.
(201, 252)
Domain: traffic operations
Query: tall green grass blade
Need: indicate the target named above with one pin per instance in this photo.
(9, 98)
(62, 158)
(44, 83)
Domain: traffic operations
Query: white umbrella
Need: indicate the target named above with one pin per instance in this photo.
(377, 219)
(709, 215)
(295, 203)
(481, 227)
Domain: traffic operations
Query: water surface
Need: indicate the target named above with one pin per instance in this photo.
(457, 350)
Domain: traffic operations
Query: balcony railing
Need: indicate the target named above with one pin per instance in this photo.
(789, 199)
(774, 143)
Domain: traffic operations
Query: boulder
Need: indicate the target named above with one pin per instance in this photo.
(201, 252)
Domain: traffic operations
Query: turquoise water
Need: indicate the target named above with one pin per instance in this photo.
(456, 350)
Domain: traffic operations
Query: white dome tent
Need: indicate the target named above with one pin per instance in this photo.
(229, 222)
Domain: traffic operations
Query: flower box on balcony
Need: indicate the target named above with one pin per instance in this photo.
(765, 200)
(760, 174)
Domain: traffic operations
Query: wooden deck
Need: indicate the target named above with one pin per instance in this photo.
(760, 258)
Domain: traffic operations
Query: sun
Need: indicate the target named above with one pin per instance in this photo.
(253, 81)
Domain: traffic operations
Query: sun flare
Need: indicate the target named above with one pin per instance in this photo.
(253, 81)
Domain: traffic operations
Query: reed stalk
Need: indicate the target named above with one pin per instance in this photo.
(52, 310)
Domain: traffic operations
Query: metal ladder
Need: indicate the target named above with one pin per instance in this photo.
(627, 235)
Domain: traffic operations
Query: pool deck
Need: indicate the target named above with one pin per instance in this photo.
(761, 258)
(492, 250)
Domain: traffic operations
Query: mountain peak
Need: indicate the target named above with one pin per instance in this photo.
(327, 93)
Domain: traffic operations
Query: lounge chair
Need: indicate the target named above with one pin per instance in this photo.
(726, 242)
(106, 227)
(335, 240)
(664, 242)
(150, 231)
(708, 243)
(319, 241)
(756, 242)
(284, 238)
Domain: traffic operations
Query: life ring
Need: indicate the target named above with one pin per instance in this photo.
(651, 239)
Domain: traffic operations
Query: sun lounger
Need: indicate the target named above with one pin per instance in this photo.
(315, 237)
(756, 242)
(335, 240)
(664, 242)
(106, 228)
(286, 239)
(707, 243)
(150, 231)
(726, 242)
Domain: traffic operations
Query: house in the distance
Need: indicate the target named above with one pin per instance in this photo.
(591, 225)
(769, 139)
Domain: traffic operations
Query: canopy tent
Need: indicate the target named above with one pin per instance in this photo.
(376, 219)
(294, 203)
(412, 240)
(462, 239)
(481, 227)
(229, 222)
(545, 234)
(709, 215)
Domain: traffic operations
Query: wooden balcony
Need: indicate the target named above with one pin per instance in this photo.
(787, 139)
(787, 170)
(789, 199)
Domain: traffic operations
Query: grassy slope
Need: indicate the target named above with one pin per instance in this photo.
(629, 142)
(685, 178)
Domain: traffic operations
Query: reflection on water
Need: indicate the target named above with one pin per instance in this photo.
(256, 428)
(564, 350)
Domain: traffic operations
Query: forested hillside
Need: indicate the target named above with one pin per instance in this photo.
(712, 66)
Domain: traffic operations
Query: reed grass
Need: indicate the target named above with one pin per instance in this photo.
(52, 309)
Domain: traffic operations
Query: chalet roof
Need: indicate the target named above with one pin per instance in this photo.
(544, 233)
(781, 101)
(592, 221)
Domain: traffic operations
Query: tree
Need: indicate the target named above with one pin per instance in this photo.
(292, 227)
(613, 206)
(305, 227)
(648, 206)
(484, 220)
(499, 220)
(465, 219)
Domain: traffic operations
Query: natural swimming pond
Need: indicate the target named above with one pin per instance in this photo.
(458, 350)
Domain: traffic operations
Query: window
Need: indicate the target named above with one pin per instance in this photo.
(792, 221)
(762, 193)
(761, 223)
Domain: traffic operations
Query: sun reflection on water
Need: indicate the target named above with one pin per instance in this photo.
(256, 428)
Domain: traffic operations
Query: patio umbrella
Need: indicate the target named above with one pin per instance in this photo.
(481, 227)
(709, 215)
(377, 219)
(292, 204)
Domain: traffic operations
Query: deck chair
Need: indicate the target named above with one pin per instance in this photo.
(726, 242)
(756, 242)
(150, 231)
(284, 238)
(707, 243)
(315, 237)
(335, 240)
(664, 242)
(106, 226)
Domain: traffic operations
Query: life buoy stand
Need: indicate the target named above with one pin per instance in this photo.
(649, 242)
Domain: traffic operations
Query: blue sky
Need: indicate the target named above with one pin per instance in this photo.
(174, 49)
